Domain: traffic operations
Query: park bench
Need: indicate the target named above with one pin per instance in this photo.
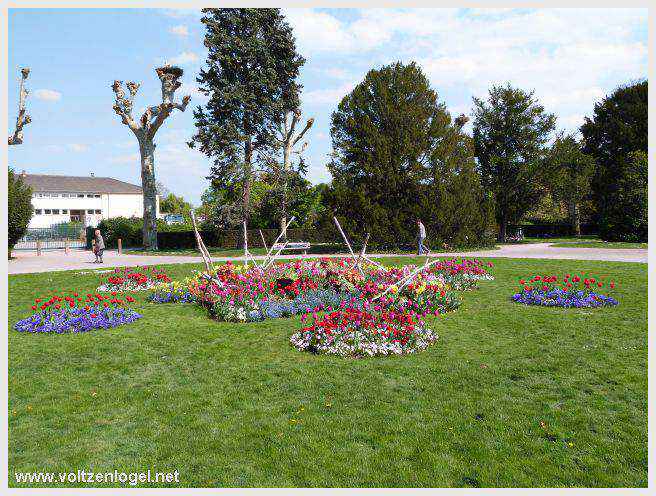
(299, 245)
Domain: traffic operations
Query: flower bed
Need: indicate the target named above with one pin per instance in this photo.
(172, 292)
(78, 314)
(254, 295)
(575, 291)
(360, 333)
(128, 279)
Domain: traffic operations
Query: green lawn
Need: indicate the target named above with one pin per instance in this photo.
(236, 405)
(600, 244)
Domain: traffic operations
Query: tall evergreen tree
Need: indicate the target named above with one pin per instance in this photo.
(396, 157)
(510, 132)
(568, 173)
(19, 208)
(617, 130)
(252, 67)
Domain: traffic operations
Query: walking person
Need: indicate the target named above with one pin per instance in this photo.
(422, 237)
(98, 246)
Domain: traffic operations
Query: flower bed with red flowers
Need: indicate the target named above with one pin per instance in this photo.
(362, 333)
(76, 313)
(569, 291)
(132, 279)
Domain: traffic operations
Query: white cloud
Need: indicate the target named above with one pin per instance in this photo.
(77, 147)
(129, 159)
(48, 95)
(180, 30)
(324, 96)
(184, 58)
(192, 89)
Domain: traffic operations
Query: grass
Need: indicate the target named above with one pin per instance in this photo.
(601, 244)
(236, 405)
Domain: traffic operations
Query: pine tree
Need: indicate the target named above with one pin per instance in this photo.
(252, 67)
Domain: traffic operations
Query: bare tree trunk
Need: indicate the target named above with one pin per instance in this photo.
(248, 172)
(503, 228)
(575, 218)
(285, 168)
(147, 149)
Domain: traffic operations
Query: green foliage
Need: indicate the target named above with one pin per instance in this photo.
(568, 174)
(129, 230)
(172, 204)
(399, 157)
(19, 208)
(624, 217)
(510, 132)
(250, 78)
(617, 130)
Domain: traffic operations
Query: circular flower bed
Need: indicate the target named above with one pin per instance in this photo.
(359, 333)
(133, 279)
(569, 292)
(78, 314)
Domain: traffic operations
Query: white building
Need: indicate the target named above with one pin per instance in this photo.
(89, 200)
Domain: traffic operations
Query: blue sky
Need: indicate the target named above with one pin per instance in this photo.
(570, 57)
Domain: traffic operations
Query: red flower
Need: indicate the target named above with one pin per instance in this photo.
(33, 307)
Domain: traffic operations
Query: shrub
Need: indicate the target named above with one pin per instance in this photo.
(19, 206)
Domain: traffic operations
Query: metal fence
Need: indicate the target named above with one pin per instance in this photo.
(53, 238)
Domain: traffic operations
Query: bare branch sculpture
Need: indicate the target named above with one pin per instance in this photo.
(288, 140)
(144, 129)
(23, 118)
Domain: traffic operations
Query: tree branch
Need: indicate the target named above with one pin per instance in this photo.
(308, 125)
(123, 106)
(23, 118)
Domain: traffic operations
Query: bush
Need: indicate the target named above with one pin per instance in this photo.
(19, 206)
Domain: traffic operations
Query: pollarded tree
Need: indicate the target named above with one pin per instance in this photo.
(568, 173)
(287, 139)
(23, 118)
(396, 157)
(617, 130)
(511, 130)
(144, 129)
(252, 67)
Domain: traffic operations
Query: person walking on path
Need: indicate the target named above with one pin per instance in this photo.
(422, 237)
(98, 246)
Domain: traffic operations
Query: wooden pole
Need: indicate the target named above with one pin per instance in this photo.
(349, 246)
(38, 247)
(201, 246)
(120, 246)
(245, 245)
(66, 246)
(263, 240)
(274, 243)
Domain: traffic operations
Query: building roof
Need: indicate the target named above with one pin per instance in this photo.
(79, 184)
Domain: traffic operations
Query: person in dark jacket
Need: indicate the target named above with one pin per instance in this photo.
(98, 246)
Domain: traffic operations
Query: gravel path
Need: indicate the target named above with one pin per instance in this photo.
(28, 262)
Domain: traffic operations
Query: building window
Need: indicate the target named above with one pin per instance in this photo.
(64, 210)
(99, 211)
(89, 211)
(80, 196)
(96, 196)
(55, 211)
(89, 196)
(64, 195)
(46, 195)
(40, 195)
(37, 211)
(47, 211)
(55, 195)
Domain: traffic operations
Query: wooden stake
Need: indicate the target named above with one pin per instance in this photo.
(263, 240)
(265, 263)
(245, 246)
(201, 246)
(120, 246)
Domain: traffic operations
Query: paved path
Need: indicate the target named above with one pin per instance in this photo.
(28, 262)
